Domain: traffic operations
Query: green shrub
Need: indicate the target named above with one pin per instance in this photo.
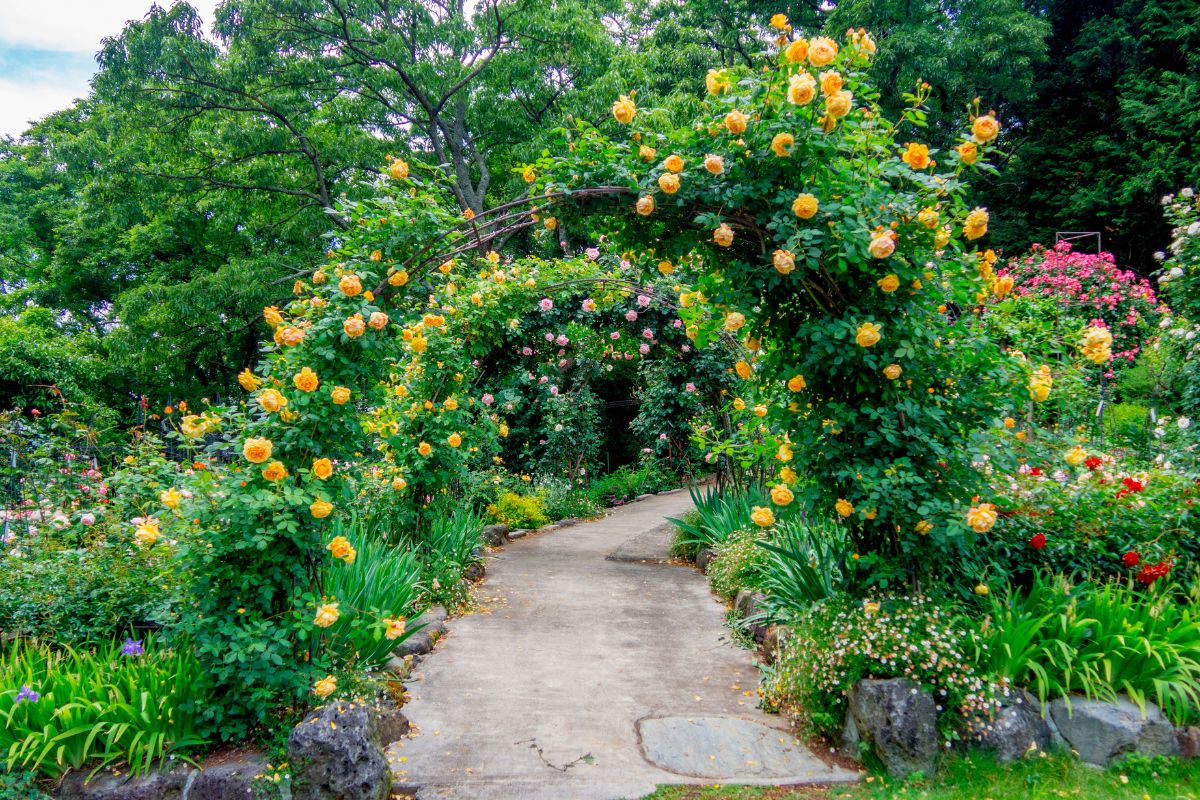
(685, 545)
(721, 513)
(64, 709)
(805, 562)
(562, 501)
(20, 786)
(738, 563)
(518, 511)
(446, 549)
(1126, 424)
(627, 483)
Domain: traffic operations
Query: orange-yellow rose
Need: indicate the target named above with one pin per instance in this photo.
(248, 380)
(673, 163)
(985, 127)
(714, 164)
(843, 507)
(838, 104)
(271, 400)
(781, 495)
(723, 235)
(784, 262)
(377, 320)
(831, 82)
(716, 81)
(976, 223)
(454, 440)
(797, 51)
(291, 336)
(322, 468)
(805, 206)
(424, 448)
(892, 371)
(867, 334)
(967, 153)
(398, 278)
(982, 517)
(883, 244)
(735, 122)
(327, 614)
(350, 285)
(272, 316)
(354, 326)
(796, 383)
(802, 89)
(888, 283)
(734, 320)
(668, 182)
(645, 205)
(306, 380)
(742, 369)
(928, 217)
(340, 395)
(916, 155)
(762, 516)
(624, 110)
(257, 451)
(822, 51)
(275, 471)
(781, 144)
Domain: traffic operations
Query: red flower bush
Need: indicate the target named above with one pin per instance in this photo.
(1038, 541)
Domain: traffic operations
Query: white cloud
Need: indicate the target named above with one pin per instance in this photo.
(75, 25)
(25, 102)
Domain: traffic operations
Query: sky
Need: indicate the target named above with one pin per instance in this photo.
(48, 51)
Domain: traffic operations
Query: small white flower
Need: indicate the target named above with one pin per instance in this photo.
(1183, 422)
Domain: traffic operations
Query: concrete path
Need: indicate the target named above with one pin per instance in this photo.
(593, 657)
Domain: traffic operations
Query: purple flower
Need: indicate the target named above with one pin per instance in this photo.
(26, 694)
(132, 647)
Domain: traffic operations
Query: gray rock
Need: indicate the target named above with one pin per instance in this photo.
(1100, 732)
(160, 785)
(335, 754)
(724, 748)
(390, 720)
(568, 522)
(427, 629)
(493, 535)
(748, 603)
(704, 558)
(1018, 727)
(774, 638)
(475, 571)
(400, 666)
(899, 722)
(232, 778)
(642, 497)
(1188, 738)
(517, 534)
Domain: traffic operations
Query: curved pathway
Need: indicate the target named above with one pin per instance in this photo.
(595, 672)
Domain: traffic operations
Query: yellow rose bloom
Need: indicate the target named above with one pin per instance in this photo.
(673, 163)
(668, 182)
(503, 429)
(888, 283)
(354, 326)
(275, 471)
(942, 238)
(924, 527)
(976, 223)
(1002, 286)
(781, 495)
(796, 383)
(892, 371)
(248, 380)
(981, 589)
(306, 380)
(784, 262)
(714, 164)
(666, 267)
(327, 614)
(1040, 383)
(985, 127)
(1076, 456)
(340, 395)
(762, 516)
(424, 448)
(822, 51)
(982, 517)
(350, 285)
(318, 277)
(716, 82)
(1097, 345)
(624, 110)
(398, 169)
(916, 155)
(967, 153)
(734, 320)
(928, 217)
(320, 509)
(433, 320)
(781, 144)
(839, 104)
(451, 404)
(291, 336)
(322, 468)
(784, 453)
(735, 122)
(398, 278)
(454, 440)
(723, 235)
(170, 498)
(399, 484)
(272, 316)
(788, 475)
(256, 451)
(393, 628)
(377, 320)
(645, 205)
(802, 89)
(325, 687)
(797, 51)
(867, 334)
(271, 400)
(760, 411)
(831, 82)
(339, 547)
(147, 533)
(780, 22)
(742, 369)
(646, 153)
(805, 206)
(843, 507)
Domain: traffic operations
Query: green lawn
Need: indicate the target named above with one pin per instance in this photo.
(979, 778)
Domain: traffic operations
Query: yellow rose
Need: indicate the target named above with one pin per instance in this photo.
(967, 153)
(325, 687)
(976, 223)
(399, 484)
(888, 283)
(550, 223)
(668, 182)
(291, 336)
(867, 334)
(760, 411)
(734, 320)
(257, 451)
(981, 589)
(781, 495)
(170, 498)
(272, 316)
(377, 320)
(780, 22)
(796, 383)
(784, 262)
(354, 326)
(503, 429)
(1097, 345)
(839, 104)
(673, 163)
(340, 395)
(762, 516)
(735, 122)
(739, 404)
(248, 380)
(146, 533)
(646, 153)
(327, 614)
(843, 507)
(318, 277)
(822, 51)
(1040, 383)
(275, 471)
(928, 217)
(398, 278)
(916, 155)
(306, 380)
(645, 205)
(322, 468)
(350, 285)
(666, 267)
(781, 144)
(742, 369)
(985, 128)
(924, 527)
(870, 607)
(1002, 285)
(831, 82)
(716, 81)
(393, 628)
(788, 475)
(271, 400)
(1076, 456)
(451, 404)
(805, 206)
(454, 440)
(425, 448)
(883, 244)
(714, 164)
(194, 426)
(723, 235)
(340, 547)
(433, 320)
(320, 509)
(624, 110)
(892, 371)
(866, 42)
(1010, 423)
(802, 89)
(982, 517)
(784, 453)
(797, 51)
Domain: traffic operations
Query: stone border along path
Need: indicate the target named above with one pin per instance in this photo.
(595, 671)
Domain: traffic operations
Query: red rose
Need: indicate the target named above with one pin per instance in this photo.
(1130, 559)
(1038, 541)
(1035, 472)
(1093, 463)
(1153, 572)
